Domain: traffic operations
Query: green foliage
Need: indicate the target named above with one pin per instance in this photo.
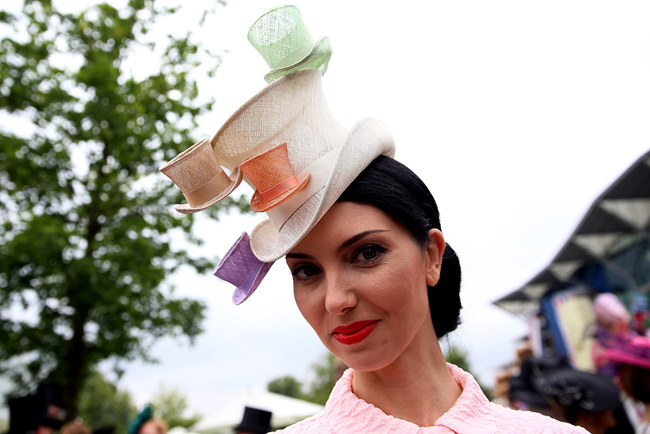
(171, 405)
(101, 403)
(458, 356)
(319, 388)
(86, 220)
(323, 381)
(287, 386)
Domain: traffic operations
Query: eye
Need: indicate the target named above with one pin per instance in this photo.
(305, 272)
(369, 253)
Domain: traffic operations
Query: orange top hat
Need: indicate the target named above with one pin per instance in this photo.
(274, 179)
(198, 174)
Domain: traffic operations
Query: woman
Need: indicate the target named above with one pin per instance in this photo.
(631, 359)
(377, 283)
(372, 273)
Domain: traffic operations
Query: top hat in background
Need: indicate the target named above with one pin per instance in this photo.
(255, 420)
(45, 407)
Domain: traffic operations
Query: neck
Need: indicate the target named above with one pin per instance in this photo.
(417, 387)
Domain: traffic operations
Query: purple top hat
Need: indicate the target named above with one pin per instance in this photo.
(241, 268)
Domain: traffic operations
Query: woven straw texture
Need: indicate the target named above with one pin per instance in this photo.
(269, 168)
(193, 167)
(237, 265)
(278, 33)
(293, 109)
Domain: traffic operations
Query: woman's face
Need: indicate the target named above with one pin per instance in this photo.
(360, 280)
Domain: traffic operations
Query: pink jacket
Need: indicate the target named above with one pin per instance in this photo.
(472, 414)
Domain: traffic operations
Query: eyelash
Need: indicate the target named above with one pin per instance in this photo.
(379, 250)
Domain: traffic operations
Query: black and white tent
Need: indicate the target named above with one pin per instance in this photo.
(610, 246)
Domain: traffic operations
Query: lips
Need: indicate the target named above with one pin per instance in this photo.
(355, 332)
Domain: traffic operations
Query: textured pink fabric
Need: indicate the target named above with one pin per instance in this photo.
(472, 414)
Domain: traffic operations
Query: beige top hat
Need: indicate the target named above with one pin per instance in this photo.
(288, 120)
(198, 174)
(293, 109)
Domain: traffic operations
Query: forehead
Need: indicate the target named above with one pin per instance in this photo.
(346, 219)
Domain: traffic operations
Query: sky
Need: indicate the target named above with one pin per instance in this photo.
(516, 114)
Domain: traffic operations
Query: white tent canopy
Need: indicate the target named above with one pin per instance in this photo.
(286, 411)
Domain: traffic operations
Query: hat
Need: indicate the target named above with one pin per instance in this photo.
(609, 310)
(293, 109)
(255, 420)
(633, 351)
(196, 171)
(555, 379)
(273, 176)
(241, 268)
(579, 389)
(284, 42)
(145, 415)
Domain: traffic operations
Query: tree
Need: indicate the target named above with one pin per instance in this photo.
(86, 220)
(287, 386)
(323, 381)
(458, 356)
(101, 403)
(319, 388)
(171, 405)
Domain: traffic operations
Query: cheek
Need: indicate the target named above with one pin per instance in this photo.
(308, 305)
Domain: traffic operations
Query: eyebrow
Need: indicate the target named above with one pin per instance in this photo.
(344, 245)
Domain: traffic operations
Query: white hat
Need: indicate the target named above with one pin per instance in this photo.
(293, 109)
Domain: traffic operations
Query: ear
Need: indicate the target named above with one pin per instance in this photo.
(434, 251)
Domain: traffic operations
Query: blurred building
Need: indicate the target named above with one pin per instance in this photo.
(608, 252)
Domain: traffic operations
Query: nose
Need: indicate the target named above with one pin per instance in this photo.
(339, 296)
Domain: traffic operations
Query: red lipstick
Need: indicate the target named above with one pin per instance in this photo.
(355, 332)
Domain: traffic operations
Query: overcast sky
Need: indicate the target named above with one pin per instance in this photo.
(516, 114)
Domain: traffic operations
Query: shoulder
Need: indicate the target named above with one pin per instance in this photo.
(314, 424)
(518, 421)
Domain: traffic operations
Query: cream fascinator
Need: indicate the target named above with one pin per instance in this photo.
(302, 157)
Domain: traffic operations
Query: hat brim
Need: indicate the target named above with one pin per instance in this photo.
(603, 393)
(627, 358)
(235, 179)
(368, 139)
(259, 205)
(317, 58)
(243, 292)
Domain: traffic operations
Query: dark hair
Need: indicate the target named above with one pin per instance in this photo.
(395, 189)
(635, 381)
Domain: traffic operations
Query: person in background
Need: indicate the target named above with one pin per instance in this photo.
(577, 397)
(254, 421)
(146, 423)
(612, 330)
(75, 427)
(632, 361)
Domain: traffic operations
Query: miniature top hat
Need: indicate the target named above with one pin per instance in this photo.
(241, 268)
(283, 40)
(273, 176)
(198, 174)
(255, 420)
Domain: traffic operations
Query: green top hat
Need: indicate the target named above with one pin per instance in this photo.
(283, 40)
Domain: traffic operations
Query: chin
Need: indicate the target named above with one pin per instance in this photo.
(363, 360)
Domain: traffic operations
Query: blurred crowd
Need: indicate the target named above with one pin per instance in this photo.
(614, 399)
